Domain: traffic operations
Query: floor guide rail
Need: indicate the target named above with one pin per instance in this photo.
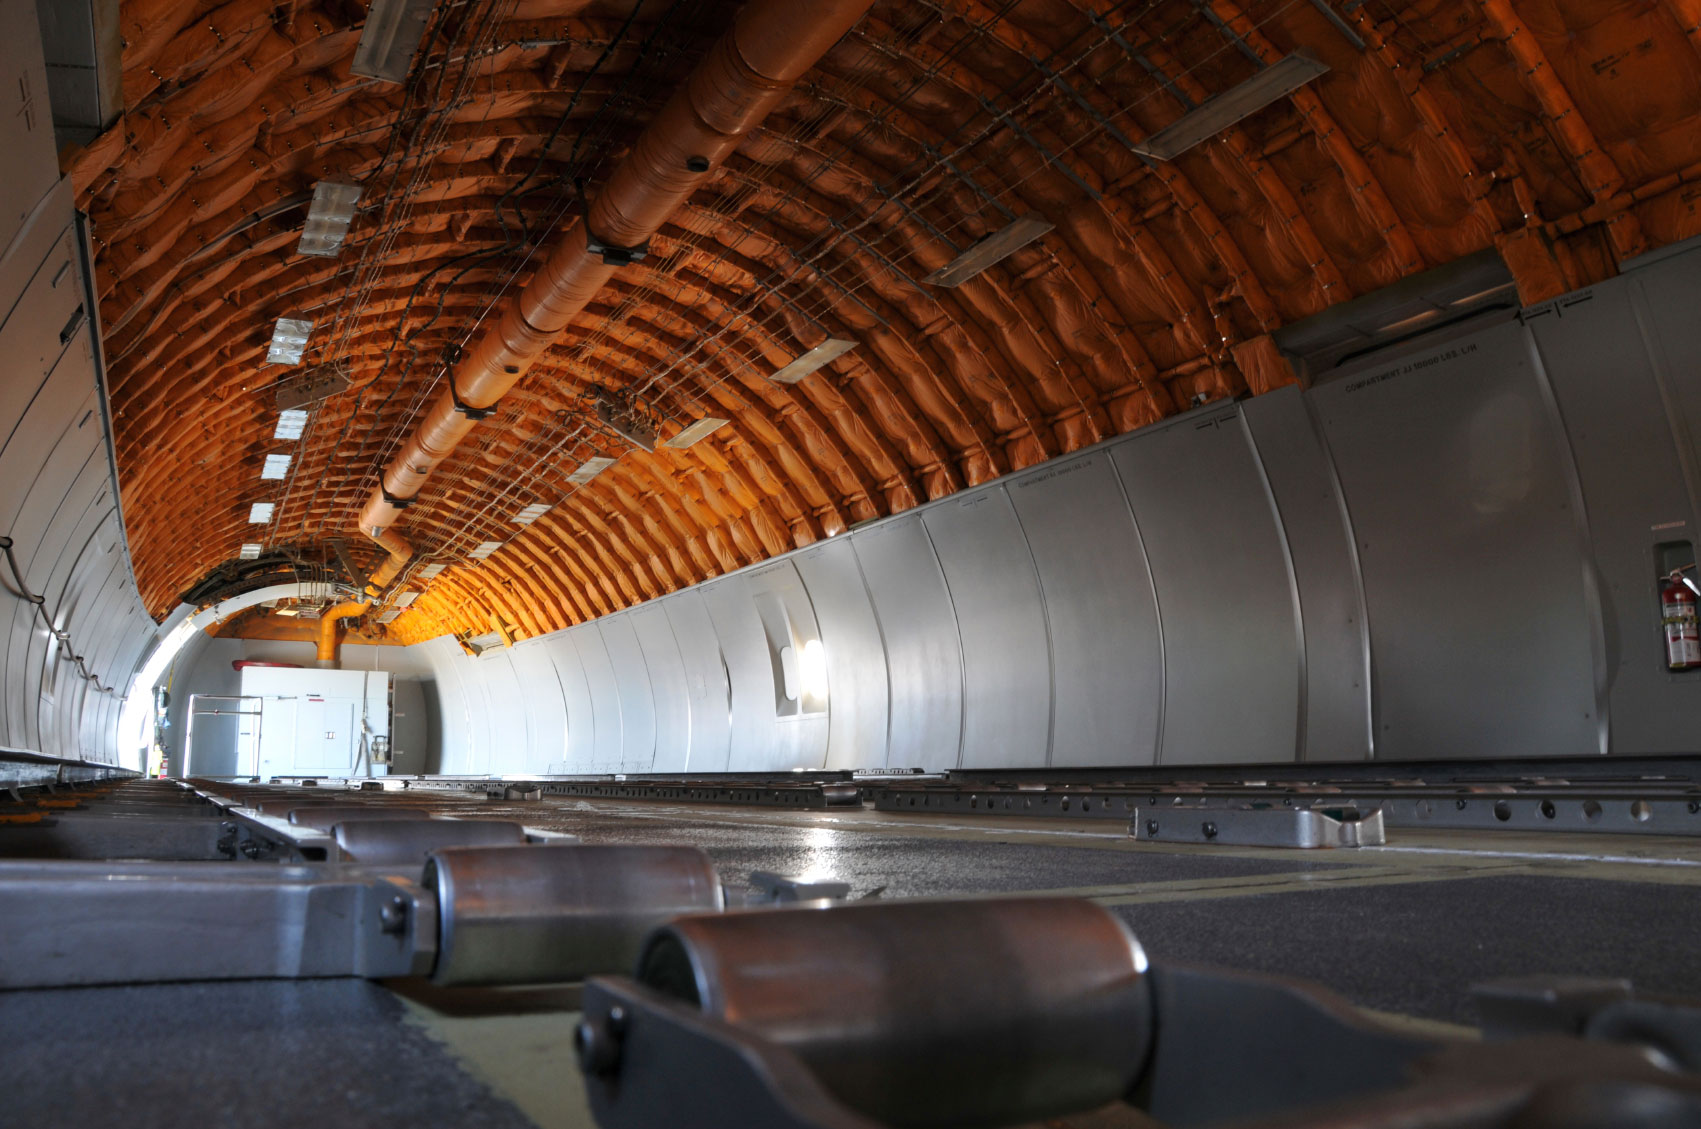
(1653, 797)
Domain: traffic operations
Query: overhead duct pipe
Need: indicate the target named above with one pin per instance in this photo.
(330, 639)
(746, 73)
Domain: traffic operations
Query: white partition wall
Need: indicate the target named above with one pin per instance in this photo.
(1444, 551)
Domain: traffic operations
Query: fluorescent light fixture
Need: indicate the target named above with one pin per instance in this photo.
(289, 341)
(286, 611)
(1205, 121)
(697, 432)
(406, 599)
(431, 570)
(391, 38)
(389, 616)
(828, 350)
(259, 513)
(532, 512)
(276, 466)
(591, 468)
(290, 425)
(250, 551)
(328, 218)
(485, 548)
(993, 249)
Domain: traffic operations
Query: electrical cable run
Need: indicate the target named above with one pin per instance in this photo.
(23, 593)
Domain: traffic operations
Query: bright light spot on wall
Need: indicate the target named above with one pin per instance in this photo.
(812, 665)
(260, 512)
(133, 720)
(276, 466)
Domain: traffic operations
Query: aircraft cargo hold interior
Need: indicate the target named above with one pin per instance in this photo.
(840, 564)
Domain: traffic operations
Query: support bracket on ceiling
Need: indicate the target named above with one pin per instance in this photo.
(466, 410)
(616, 256)
(393, 501)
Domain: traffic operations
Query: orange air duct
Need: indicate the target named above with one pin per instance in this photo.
(329, 638)
(746, 73)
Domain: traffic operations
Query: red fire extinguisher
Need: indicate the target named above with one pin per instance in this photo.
(1683, 637)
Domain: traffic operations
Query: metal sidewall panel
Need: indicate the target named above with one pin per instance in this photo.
(1455, 479)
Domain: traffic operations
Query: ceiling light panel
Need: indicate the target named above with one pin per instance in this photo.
(829, 350)
(590, 469)
(431, 570)
(697, 432)
(290, 425)
(328, 218)
(406, 599)
(532, 512)
(995, 248)
(276, 466)
(484, 549)
(1211, 117)
(250, 551)
(389, 616)
(289, 341)
(260, 512)
(391, 38)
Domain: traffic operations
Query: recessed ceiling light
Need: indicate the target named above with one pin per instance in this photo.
(389, 616)
(276, 466)
(290, 424)
(1214, 115)
(260, 512)
(391, 38)
(328, 219)
(994, 249)
(405, 599)
(250, 551)
(829, 350)
(431, 570)
(697, 432)
(590, 469)
(289, 341)
(532, 512)
(485, 548)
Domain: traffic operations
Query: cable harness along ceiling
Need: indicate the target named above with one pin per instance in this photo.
(793, 293)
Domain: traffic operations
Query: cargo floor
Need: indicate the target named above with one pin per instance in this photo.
(1403, 929)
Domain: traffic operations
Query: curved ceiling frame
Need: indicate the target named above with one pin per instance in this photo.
(1453, 128)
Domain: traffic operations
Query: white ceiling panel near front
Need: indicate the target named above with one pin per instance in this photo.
(798, 733)
(856, 657)
(707, 689)
(637, 700)
(1457, 481)
(1633, 440)
(606, 752)
(1336, 723)
(923, 653)
(545, 708)
(576, 700)
(1006, 651)
(750, 666)
(1107, 650)
(1232, 663)
(667, 686)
